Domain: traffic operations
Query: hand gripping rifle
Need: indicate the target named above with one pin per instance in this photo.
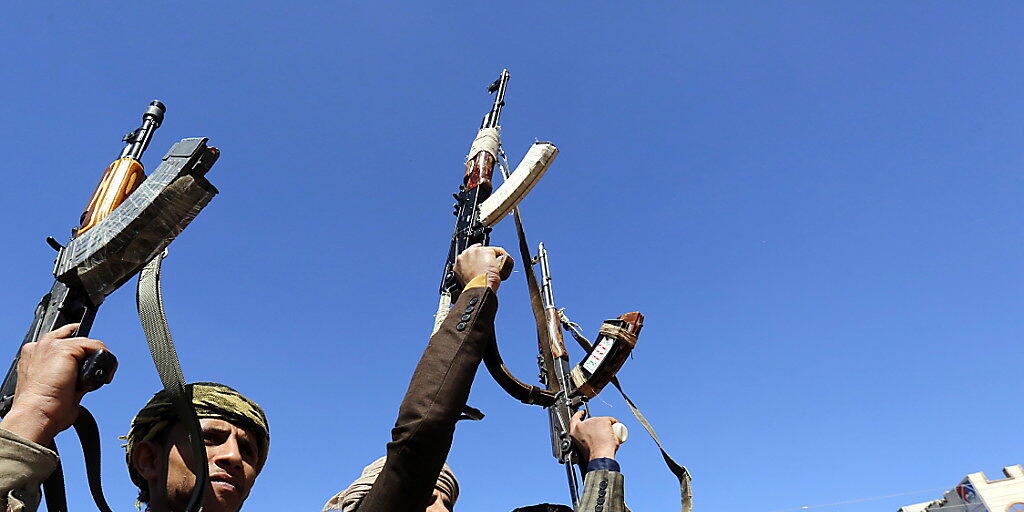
(565, 390)
(127, 224)
(477, 209)
(574, 387)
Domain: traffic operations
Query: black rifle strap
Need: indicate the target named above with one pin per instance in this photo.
(89, 436)
(149, 300)
(53, 487)
(680, 471)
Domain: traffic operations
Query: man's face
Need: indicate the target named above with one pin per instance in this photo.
(232, 455)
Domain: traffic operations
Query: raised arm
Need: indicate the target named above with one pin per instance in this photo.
(603, 489)
(439, 388)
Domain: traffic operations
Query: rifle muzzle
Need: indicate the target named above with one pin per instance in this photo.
(155, 111)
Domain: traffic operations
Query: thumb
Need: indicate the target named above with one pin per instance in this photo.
(577, 418)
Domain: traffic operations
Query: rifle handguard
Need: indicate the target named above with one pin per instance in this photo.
(120, 179)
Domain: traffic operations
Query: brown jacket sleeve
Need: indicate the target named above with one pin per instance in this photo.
(603, 491)
(23, 467)
(436, 397)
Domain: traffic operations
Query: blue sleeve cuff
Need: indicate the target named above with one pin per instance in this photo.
(603, 463)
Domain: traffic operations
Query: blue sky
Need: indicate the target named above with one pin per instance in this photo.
(817, 206)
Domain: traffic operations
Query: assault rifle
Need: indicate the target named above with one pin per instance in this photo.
(574, 387)
(128, 223)
(565, 390)
(477, 209)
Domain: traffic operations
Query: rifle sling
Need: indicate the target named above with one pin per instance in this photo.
(680, 471)
(525, 393)
(53, 487)
(89, 436)
(149, 299)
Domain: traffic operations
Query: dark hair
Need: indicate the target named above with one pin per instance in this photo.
(160, 439)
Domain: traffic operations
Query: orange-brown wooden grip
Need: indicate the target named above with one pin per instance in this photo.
(120, 179)
(479, 170)
(554, 325)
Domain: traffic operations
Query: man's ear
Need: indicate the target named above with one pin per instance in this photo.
(148, 460)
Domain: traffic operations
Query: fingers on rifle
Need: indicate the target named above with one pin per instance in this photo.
(61, 332)
(578, 416)
(77, 347)
(87, 345)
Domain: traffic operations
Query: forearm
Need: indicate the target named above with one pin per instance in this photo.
(437, 394)
(603, 490)
(23, 467)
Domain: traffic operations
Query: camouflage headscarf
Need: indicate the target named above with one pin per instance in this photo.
(211, 400)
(349, 499)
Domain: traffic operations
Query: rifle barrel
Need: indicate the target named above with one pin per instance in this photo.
(123, 175)
(138, 140)
(498, 88)
(545, 273)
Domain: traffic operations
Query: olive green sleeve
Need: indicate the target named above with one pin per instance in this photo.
(602, 492)
(23, 467)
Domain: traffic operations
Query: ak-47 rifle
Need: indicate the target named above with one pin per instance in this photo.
(574, 387)
(128, 223)
(565, 390)
(477, 209)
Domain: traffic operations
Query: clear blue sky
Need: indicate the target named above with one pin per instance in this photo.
(817, 206)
